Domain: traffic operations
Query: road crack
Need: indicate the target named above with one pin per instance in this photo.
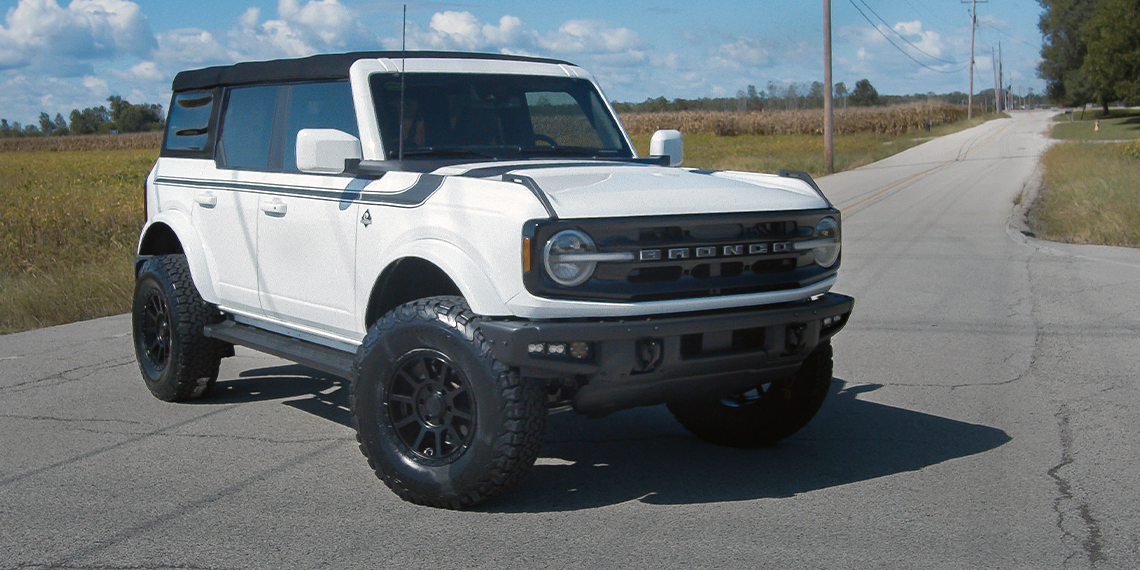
(1074, 516)
(63, 375)
(81, 426)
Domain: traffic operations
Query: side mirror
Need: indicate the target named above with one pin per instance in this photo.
(324, 151)
(667, 143)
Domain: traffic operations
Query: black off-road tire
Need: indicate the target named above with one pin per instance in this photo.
(177, 361)
(761, 417)
(441, 421)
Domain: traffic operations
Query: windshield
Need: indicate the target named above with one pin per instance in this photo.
(495, 116)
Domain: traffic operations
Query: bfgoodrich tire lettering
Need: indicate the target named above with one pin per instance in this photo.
(177, 362)
(441, 422)
(762, 417)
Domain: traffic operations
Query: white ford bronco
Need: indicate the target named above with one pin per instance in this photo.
(472, 241)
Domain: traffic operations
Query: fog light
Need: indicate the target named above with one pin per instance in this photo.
(579, 349)
(556, 349)
(536, 348)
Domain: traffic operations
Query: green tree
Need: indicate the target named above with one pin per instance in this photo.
(864, 94)
(47, 127)
(1063, 50)
(130, 118)
(815, 95)
(755, 101)
(90, 121)
(1112, 64)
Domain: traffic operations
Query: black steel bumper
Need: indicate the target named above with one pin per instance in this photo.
(650, 360)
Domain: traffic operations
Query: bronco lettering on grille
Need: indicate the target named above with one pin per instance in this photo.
(725, 251)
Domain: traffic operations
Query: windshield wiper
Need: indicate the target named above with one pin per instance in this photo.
(446, 151)
(567, 151)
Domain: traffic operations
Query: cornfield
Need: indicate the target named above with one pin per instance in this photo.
(892, 121)
(69, 222)
(125, 141)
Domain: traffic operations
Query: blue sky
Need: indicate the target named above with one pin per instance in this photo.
(57, 55)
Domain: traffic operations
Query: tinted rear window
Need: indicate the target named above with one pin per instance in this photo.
(188, 128)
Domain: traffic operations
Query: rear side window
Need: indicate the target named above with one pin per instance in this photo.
(247, 127)
(188, 127)
(317, 106)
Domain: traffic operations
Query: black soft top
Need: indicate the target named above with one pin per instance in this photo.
(317, 67)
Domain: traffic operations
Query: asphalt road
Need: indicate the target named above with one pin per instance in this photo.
(984, 414)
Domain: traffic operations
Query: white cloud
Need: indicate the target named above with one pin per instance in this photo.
(182, 48)
(95, 85)
(299, 30)
(145, 71)
(85, 30)
(250, 18)
(604, 48)
(324, 24)
(590, 37)
(744, 51)
(928, 42)
(462, 31)
(868, 52)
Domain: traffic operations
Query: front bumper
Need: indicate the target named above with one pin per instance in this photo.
(623, 363)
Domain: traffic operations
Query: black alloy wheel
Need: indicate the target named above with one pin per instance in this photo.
(430, 407)
(155, 329)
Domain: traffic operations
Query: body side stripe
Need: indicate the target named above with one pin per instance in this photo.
(411, 197)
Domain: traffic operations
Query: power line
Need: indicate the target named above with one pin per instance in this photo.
(902, 37)
(1013, 39)
(928, 11)
(901, 50)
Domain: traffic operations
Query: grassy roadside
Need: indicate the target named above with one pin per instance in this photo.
(1090, 194)
(1121, 124)
(1091, 190)
(69, 220)
(68, 225)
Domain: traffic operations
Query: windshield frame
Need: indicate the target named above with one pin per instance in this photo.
(431, 97)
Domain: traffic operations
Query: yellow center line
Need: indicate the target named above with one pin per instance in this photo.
(848, 210)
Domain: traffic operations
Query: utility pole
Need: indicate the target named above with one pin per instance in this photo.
(997, 80)
(1001, 71)
(828, 119)
(973, 26)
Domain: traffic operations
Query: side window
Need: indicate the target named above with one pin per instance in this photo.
(247, 127)
(317, 106)
(188, 127)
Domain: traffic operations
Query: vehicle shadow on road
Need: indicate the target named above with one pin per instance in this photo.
(645, 455)
(300, 387)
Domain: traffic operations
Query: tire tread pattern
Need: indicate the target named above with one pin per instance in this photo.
(515, 450)
(195, 357)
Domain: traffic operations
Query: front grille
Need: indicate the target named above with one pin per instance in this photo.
(685, 257)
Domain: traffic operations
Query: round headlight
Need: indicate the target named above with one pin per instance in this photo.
(828, 244)
(567, 257)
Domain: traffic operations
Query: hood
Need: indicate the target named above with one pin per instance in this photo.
(620, 190)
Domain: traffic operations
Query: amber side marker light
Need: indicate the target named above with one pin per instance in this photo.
(526, 255)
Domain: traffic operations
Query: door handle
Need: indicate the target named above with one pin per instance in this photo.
(207, 200)
(275, 208)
